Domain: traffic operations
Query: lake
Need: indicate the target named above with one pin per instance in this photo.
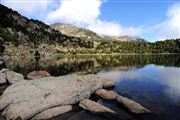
(151, 80)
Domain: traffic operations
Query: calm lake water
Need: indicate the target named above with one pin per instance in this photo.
(152, 80)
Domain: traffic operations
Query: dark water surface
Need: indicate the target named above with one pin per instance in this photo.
(151, 80)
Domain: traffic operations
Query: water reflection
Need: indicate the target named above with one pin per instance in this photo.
(61, 65)
(154, 86)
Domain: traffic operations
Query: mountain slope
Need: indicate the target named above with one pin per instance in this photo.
(24, 33)
(72, 30)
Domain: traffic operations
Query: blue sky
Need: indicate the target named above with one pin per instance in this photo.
(151, 19)
(135, 13)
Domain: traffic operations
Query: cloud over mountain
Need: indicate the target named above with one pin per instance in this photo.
(87, 14)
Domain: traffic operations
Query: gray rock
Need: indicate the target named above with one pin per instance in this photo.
(132, 106)
(106, 94)
(108, 83)
(3, 70)
(25, 99)
(2, 78)
(1, 62)
(37, 74)
(53, 112)
(93, 106)
(13, 77)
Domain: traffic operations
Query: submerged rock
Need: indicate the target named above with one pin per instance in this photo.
(26, 99)
(53, 112)
(13, 77)
(93, 106)
(131, 105)
(106, 94)
(108, 83)
(37, 74)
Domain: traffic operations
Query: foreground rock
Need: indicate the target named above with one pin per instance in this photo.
(7, 76)
(132, 106)
(26, 99)
(13, 77)
(37, 74)
(106, 94)
(53, 112)
(108, 83)
(93, 106)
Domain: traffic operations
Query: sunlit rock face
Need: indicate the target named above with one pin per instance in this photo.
(25, 99)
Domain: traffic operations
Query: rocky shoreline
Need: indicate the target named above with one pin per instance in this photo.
(41, 96)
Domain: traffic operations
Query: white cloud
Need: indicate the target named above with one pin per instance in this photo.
(85, 13)
(112, 28)
(76, 12)
(170, 28)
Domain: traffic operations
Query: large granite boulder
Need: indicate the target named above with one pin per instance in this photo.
(93, 106)
(25, 99)
(106, 94)
(37, 74)
(132, 106)
(53, 112)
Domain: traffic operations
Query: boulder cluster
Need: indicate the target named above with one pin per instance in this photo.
(44, 96)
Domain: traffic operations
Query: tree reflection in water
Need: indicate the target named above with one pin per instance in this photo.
(62, 65)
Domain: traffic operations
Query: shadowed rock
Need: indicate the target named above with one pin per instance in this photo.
(52, 112)
(25, 99)
(131, 105)
(106, 94)
(108, 83)
(37, 74)
(93, 106)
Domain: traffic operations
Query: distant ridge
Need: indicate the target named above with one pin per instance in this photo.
(83, 33)
(75, 31)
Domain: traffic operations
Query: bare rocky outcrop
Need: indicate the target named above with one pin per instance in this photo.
(93, 106)
(37, 74)
(106, 94)
(132, 106)
(25, 99)
(52, 112)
